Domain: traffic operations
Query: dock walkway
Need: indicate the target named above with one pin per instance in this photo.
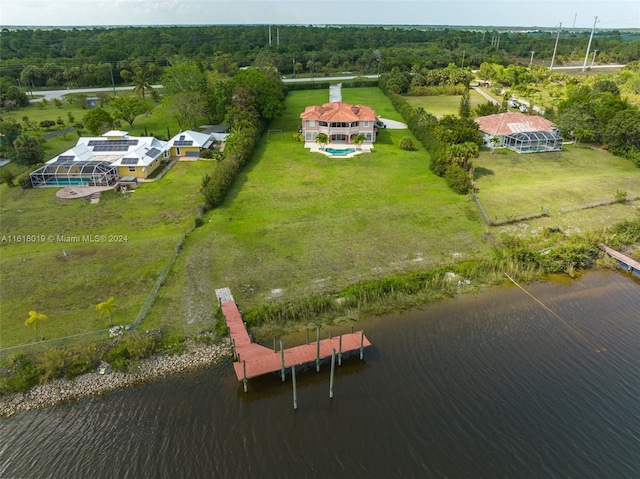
(631, 264)
(255, 360)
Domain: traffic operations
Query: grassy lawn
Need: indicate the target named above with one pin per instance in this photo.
(443, 104)
(298, 223)
(511, 184)
(65, 280)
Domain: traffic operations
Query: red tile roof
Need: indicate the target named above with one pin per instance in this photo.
(338, 112)
(502, 124)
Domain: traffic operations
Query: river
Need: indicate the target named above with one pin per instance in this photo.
(489, 385)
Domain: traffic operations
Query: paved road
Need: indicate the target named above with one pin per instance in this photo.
(51, 94)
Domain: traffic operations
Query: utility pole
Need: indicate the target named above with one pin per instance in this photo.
(463, 54)
(269, 35)
(294, 67)
(277, 37)
(498, 43)
(531, 61)
(555, 49)
(593, 58)
(574, 20)
(586, 57)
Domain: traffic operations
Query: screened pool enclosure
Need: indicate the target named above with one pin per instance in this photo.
(533, 142)
(66, 172)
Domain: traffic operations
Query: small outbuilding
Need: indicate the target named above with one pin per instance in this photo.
(519, 132)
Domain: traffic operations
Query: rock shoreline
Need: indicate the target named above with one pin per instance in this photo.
(92, 384)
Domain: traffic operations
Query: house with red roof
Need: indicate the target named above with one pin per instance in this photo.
(519, 132)
(341, 122)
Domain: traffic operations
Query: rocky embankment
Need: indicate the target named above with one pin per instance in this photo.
(92, 384)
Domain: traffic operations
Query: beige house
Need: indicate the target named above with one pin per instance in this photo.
(341, 122)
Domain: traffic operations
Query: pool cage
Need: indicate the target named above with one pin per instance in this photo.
(533, 142)
(75, 173)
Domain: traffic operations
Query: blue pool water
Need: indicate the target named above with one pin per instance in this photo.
(68, 182)
(343, 151)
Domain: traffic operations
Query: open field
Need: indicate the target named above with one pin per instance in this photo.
(294, 224)
(443, 104)
(298, 223)
(140, 232)
(510, 184)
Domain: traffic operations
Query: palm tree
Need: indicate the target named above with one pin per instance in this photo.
(106, 308)
(36, 320)
(140, 82)
(323, 140)
(359, 139)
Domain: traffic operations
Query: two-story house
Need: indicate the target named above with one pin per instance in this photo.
(341, 122)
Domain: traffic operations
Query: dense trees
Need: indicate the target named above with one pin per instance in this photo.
(136, 55)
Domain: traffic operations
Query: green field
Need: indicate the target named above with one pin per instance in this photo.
(294, 224)
(63, 275)
(298, 223)
(443, 104)
(512, 184)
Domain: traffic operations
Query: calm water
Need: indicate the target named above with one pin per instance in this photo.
(484, 386)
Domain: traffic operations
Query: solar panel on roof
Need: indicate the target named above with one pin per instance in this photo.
(183, 143)
(111, 145)
(181, 137)
(153, 152)
(129, 161)
(65, 157)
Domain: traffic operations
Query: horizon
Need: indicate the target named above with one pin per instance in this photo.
(573, 14)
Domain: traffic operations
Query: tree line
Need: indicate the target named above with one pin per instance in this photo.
(39, 58)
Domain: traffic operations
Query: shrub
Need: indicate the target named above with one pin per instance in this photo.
(206, 154)
(406, 143)
(47, 123)
(458, 179)
(7, 177)
(24, 180)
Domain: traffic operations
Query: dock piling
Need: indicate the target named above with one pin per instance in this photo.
(282, 357)
(318, 349)
(340, 350)
(362, 345)
(295, 391)
(333, 372)
(307, 335)
(244, 380)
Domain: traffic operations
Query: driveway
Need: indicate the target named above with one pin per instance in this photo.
(393, 124)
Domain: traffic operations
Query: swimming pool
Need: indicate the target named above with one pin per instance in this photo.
(340, 152)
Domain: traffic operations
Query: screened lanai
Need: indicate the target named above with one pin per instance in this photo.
(533, 142)
(67, 172)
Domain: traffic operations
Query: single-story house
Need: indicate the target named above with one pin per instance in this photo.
(519, 132)
(341, 122)
(190, 143)
(101, 161)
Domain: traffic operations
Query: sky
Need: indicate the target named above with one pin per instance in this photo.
(615, 14)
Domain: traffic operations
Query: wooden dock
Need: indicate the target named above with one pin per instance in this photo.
(629, 264)
(254, 360)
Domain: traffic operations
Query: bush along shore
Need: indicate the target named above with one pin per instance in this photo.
(195, 354)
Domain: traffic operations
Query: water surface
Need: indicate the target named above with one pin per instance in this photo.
(484, 386)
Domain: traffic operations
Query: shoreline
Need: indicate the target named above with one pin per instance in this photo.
(93, 384)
